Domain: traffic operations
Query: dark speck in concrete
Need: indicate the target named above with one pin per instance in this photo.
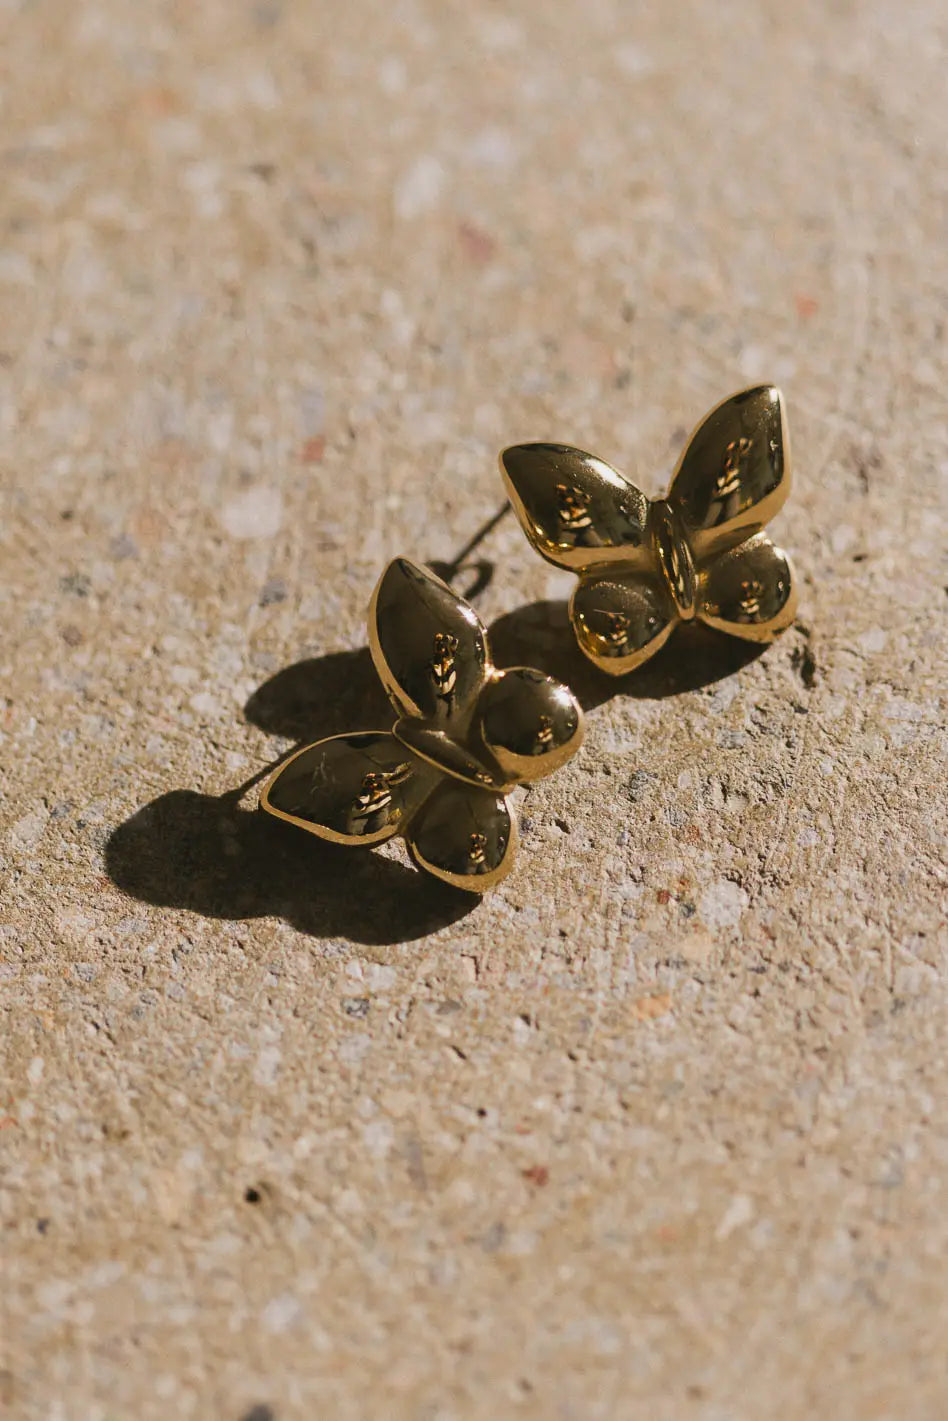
(77, 583)
(638, 783)
(273, 590)
(494, 1237)
(123, 547)
(804, 663)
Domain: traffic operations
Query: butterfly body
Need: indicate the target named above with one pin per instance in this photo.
(466, 733)
(446, 754)
(674, 559)
(644, 565)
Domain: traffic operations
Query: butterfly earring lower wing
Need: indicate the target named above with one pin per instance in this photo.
(735, 472)
(350, 789)
(367, 787)
(465, 836)
(750, 591)
(574, 508)
(621, 621)
(530, 723)
(429, 646)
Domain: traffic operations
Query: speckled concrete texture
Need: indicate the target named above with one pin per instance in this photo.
(660, 1128)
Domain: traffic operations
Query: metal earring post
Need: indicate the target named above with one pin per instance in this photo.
(453, 568)
(449, 570)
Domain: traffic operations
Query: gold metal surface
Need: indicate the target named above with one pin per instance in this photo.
(699, 552)
(466, 733)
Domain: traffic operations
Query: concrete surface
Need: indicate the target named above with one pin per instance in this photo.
(661, 1128)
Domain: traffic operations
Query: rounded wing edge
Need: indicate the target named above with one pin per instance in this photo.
(428, 645)
(734, 474)
(529, 722)
(465, 836)
(750, 592)
(576, 510)
(357, 789)
(621, 621)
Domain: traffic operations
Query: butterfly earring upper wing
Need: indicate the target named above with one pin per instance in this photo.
(351, 789)
(734, 474)
(430, 650)
(429, 646)
(577, 510)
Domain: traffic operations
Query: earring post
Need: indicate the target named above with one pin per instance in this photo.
(452, 568)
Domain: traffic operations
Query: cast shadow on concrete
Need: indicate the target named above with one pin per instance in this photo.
(695, 656)
(341, 691)
(213, 856)
(208, 854)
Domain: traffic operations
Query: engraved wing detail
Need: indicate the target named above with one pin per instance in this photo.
(465, 836)
(749, 591)
(734, 475)
(576, 509)
(351, 789)
(429, 645)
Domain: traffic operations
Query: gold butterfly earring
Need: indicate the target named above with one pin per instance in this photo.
(466, 734)
(699, 552)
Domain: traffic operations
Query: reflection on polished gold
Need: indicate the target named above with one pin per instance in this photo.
(466, 733)
(443, 665)
(573, 507)
(699, 552)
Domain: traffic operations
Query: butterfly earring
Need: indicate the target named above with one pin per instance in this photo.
(466, 733)
(699, 552)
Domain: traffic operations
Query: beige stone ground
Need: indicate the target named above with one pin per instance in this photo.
(660, 1129)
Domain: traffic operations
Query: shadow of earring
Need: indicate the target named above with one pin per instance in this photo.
(321, 696)
(695, 656)
(209, 855)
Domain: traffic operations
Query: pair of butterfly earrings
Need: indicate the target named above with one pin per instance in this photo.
(466, 732)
